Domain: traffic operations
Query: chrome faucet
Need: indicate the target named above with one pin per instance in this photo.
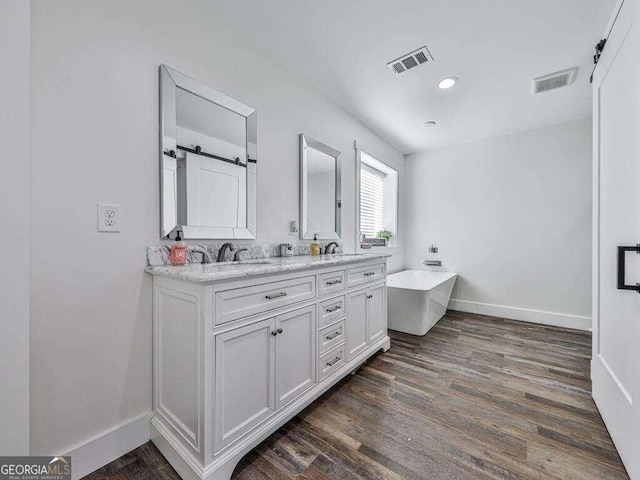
(206, 256)
(222, 253)
(236, 256)
(331, 248)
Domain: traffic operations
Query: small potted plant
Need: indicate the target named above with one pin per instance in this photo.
(386, 234)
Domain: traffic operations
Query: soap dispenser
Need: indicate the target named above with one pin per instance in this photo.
(315, 246)
(178, 251)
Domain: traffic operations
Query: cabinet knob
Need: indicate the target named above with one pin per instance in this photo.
(274, 333)
(279, 330)
(369, 296)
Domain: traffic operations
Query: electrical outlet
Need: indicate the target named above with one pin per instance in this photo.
(293, 227)
(109, 218)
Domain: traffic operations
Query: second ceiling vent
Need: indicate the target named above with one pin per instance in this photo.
(407, 62)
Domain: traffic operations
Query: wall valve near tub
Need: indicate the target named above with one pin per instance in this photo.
(433, 263)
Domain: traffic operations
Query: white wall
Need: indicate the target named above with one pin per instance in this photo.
(511, 215)
(14, 216)
(95, 139)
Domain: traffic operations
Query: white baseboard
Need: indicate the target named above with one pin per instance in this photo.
(108, 446)
(523, 314)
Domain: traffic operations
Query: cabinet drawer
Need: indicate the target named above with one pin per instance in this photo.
(331, 361)
(242, 302)
(331, 336)
(362, 275)
(332, 282)
(331, 309)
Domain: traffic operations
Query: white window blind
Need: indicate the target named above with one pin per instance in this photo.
(371, 200)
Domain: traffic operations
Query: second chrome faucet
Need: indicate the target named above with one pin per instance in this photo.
(222, 253)
(331, 248)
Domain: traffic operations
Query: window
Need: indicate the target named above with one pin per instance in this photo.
(378, 203)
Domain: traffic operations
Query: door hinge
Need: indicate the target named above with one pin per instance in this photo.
(596, 57)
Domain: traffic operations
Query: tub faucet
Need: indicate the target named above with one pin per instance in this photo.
(330, 248)
(432, 263)
(222, 253)
(206, 257)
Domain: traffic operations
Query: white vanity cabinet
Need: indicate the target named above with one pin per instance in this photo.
(235, 358)
(367, 318)
(245, 380)
(376, 313)
(259, 368)
(295, 352)
(357, 329)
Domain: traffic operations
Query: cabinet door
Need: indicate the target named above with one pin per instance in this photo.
(295, 353)
(356, 323)
(376, 313)
(244, 384)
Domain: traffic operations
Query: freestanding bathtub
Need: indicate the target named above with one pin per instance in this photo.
(417, 299)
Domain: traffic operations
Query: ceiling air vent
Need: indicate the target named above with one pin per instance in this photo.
(560, 79)
(407, 62)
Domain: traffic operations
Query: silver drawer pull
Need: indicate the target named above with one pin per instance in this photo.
(335, 334)
(368, 274)
(333, 309)
(334, 282)
(334, 361)
(276, 295)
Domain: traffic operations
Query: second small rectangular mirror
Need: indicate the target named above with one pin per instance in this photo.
(320, 190)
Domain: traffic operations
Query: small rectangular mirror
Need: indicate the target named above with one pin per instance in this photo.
(208, 162)
(320, 190)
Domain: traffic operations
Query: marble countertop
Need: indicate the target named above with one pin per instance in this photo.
(196, 272)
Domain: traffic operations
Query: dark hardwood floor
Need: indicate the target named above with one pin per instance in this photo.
(476, 398)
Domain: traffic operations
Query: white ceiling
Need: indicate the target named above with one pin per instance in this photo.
(495, 47)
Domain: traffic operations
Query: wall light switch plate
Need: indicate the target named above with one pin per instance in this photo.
(109, 218)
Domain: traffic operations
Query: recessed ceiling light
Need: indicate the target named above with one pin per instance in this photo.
(430, 124)
(447, 83)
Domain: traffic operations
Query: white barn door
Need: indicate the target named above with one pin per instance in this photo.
(616, 309)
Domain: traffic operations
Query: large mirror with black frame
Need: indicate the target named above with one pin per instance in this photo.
(320, 190)
(208, 171)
